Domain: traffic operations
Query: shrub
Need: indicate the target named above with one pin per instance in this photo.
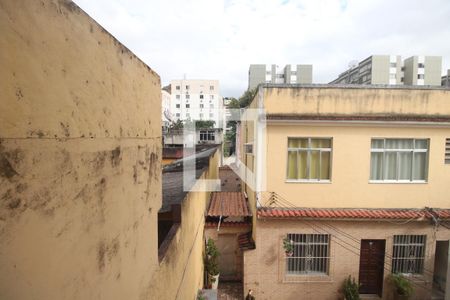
(402, 285)
(211, 260)
(351, 289)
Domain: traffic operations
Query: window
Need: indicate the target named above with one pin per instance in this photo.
(420, 76)
(248, 148)
(212, 97)
(421, 65)
(211, 88)
(177, 105)
(188, 105)
(201, 116)
(399, 160)
(177, 97)
(187, 87)
(177, 87)
(177, 115)
(188, 96)
(211, 105)
(392, 76)
(311, 254)
(201, 105)
(188, 115)
(201, 96)
(309, 159)
(211, 115)
(408, 254)
(393, 65)
(447, 151)
(207, 135)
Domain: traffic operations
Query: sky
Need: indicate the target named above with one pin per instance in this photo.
(219, 39)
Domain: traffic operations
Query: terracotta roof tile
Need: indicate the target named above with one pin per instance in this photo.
(350, 213)
(246, 241)
(228, 204)
(228, 224)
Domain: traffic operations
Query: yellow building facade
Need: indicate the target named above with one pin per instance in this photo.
(348, 167)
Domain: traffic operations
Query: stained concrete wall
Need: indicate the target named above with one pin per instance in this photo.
(180, 272)
(80, 183)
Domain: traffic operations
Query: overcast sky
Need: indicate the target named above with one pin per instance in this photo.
(209, 39)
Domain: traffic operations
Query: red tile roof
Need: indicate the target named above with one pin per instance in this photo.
(228, 204)
(350, 213)
(228, 224)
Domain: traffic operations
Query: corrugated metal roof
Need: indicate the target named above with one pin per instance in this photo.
(350, 213)
(228, 204)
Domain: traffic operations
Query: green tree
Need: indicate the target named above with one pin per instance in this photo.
(247, 97)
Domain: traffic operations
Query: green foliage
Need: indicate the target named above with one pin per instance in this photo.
(200, 124)
(176, 125)
(287, 245)
(402, 285)
(212, 258)
(201, 296)
(247, 98)
(351, 289)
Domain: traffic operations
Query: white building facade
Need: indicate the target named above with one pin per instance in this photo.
(196, 99)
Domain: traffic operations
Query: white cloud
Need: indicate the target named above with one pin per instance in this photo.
(219, 39)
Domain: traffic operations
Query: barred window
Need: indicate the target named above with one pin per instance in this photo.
(408, 254)
(447, 151)
(311, 254)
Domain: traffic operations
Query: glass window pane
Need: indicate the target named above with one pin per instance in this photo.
(376, 166)
(421, 144)
(325, 166)
(297, 143)
(420, 163)
(320, 143)
(302, 159)
(292, 165)
(314, 165)
(404, 165)
(390, 166)
(399, 144)
(377, 144)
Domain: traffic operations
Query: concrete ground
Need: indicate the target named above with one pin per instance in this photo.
(230, 291)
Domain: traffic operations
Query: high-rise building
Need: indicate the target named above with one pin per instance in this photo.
(445, 80)
(165, 105)
(423, 70)
(391, 70)
(196, 99)
(274, 74)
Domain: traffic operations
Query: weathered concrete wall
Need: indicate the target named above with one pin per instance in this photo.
(180, 273)
(264, 267)
(80, 183)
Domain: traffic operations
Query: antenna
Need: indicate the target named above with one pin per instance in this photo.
(352, 64)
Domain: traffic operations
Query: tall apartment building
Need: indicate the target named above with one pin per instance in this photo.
(165, 105)
(391, 70)
(445, 80)
(196, 99)
(261, 73)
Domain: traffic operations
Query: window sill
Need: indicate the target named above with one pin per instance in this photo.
(398, 181)
(309, 278)
(307, 181)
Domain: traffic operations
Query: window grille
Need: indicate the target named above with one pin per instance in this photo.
(311, 254)
(447, 151)
(408, 254)
(207, 135)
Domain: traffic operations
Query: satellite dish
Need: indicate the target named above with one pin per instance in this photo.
(353, 64)
(168, 115)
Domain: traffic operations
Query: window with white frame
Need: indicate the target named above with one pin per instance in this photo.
(178, 97)
(309, 159)
(408, 254)
(399, 160)
(207, 135)
(310, 255)
(188, 96)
